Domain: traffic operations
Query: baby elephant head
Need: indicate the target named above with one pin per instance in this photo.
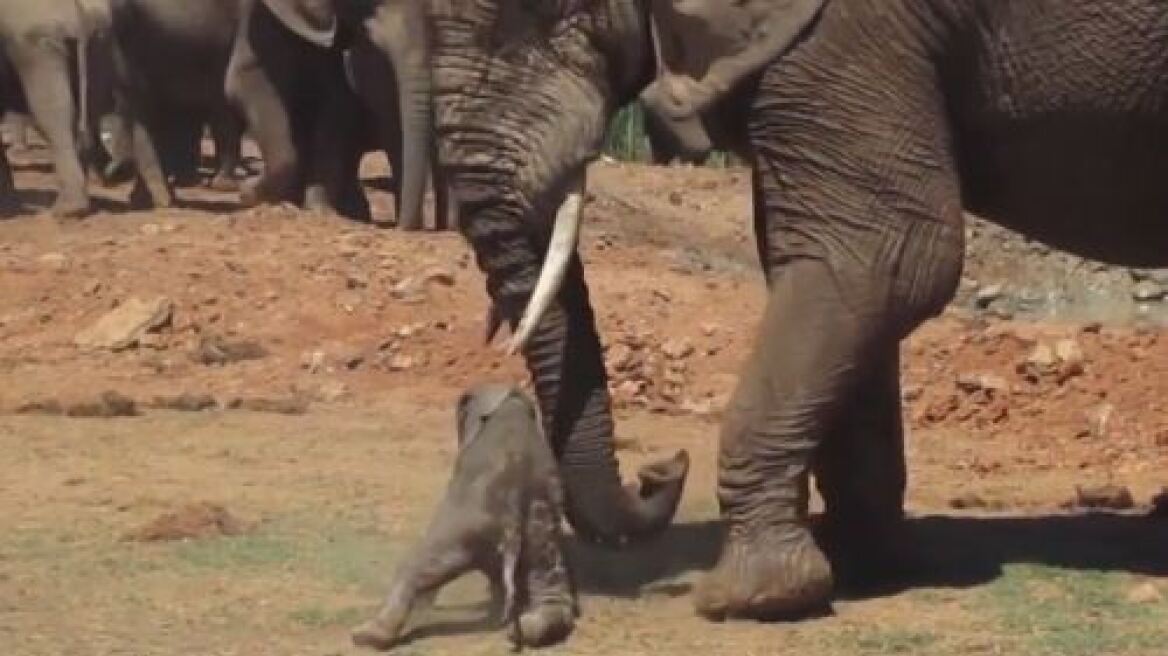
(477, 405)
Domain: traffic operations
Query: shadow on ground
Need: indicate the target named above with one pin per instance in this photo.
(957, 552)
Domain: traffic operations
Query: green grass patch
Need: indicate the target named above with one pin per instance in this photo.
(1055, 612)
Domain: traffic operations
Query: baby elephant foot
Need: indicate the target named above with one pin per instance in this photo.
(378, 633)
(776, 574)
(543, 625)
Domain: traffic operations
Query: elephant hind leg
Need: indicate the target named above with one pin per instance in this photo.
(860, 472)
(227, 133)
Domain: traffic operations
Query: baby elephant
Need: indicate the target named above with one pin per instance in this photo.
(501, 516)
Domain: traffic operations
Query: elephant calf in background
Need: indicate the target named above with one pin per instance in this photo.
(501, 515)
(171, 58)
(59, 54)
(290, 75)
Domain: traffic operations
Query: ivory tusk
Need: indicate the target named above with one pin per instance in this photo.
(561, 248)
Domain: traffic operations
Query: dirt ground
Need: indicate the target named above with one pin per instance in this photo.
(284, 427)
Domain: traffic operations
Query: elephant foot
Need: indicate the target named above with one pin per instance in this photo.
(376, 634)
(774, 574)
(544, 625)
(71, 208)
(224, 182)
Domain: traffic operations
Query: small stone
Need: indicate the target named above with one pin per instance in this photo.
(1147, 291)
(413, 288)
(675, 198)
(677, 349)
(184, 402)
(333, 391)
(54, 261)
(1069, 354)
(122, 327)
(150, 229)
(700, 407)
(218, 350)
(621, 358)
(709, 329)
(1098, 419)
(982, 382)
(1042, 357)
(401, 362)
(663, 295)
(987, 294)
(1104, 497)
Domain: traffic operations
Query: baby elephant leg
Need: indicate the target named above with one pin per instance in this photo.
(445, 554)
(550, 613)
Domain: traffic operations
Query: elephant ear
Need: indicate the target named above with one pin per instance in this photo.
(716, 44)
(313, 20)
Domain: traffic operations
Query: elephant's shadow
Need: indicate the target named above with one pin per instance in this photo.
(956, 551)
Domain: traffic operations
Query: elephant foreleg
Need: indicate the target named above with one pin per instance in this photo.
(227, 133)
(860, 473)
(44, 72)
(257, 96)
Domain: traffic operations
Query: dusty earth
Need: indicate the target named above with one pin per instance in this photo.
(221, 428)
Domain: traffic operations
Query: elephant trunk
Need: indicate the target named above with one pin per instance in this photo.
(400, 29)
(564, 357)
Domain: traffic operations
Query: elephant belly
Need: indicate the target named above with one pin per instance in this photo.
(1097, 188)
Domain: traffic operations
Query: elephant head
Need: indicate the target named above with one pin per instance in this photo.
(524, 90)
(397, 28)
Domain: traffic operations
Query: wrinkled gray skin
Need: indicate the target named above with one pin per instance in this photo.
(46, 42)
(288, 75)
(171, 59)
(501, 516)
(871, 124)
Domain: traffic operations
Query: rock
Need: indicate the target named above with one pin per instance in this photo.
(621, 358)
(675, 198)
(982, 382)
(677, 349)
(41, 407)
(1104, 497)
(413, 288)
(107, 405)
(191, 522)
(707, 407)
(219, 350)
(280, 406)
(1147, 291)
(184, 402)
(122, 327)
(987, 294)
(1144, 593)
(1042, 358)
(332, 391)
(1069, 355)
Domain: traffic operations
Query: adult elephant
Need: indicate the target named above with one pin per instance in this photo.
(47, 42)
(171, 59)
(871, 124)
(290, 74)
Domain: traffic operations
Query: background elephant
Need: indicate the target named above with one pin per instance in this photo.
(171, 58)
(871, 124)
(47, 42)
(288, 75)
